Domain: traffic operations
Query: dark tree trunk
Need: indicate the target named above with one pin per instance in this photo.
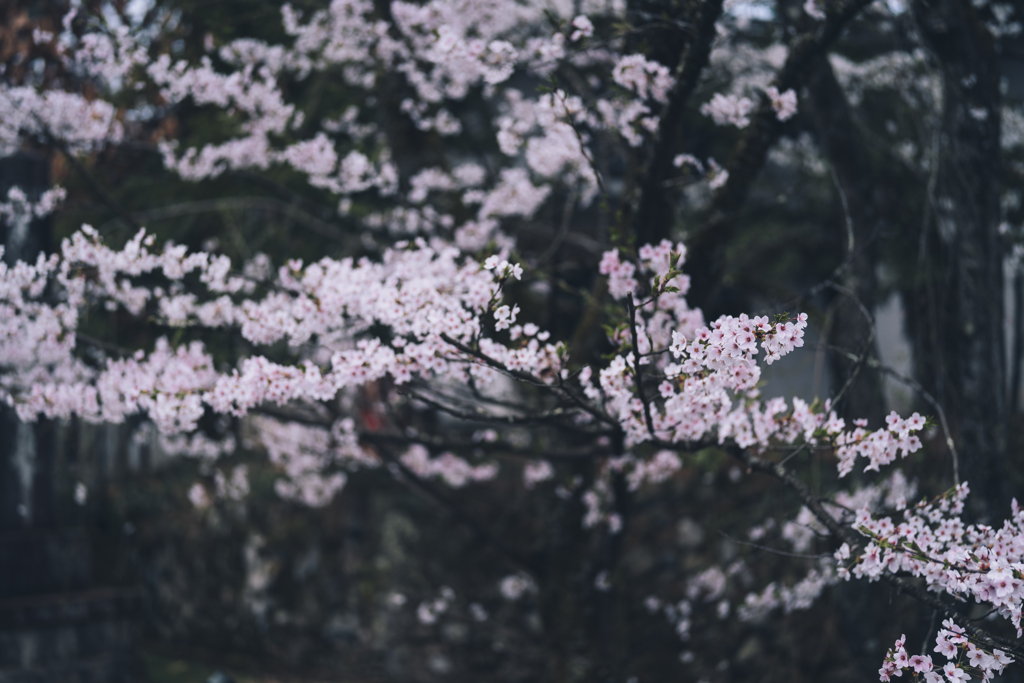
(707, 244)
(958, 342)
(863, 206)
(654, 215)
(582, 625)
(26, 484)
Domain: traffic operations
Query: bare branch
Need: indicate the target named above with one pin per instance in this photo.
(244, 203)
(849, 536)
(916, 386)
(637, 376)
(482, 533)
(559, 387)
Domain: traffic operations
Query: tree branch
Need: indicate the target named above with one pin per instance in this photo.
(95, 187)
(850, 537)
(751, 151)
(653, 213)
(289, 210)
(637, 376)
(464, 518)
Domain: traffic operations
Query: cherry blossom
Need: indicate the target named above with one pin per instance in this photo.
(784, 104)
(729, 110)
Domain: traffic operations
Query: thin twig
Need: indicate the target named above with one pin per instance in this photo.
(467, 520)
(552, 249)
(559, 386)
(850, 243)
(860, 359)
(928, 633)
(637, 375)
(847, 535)
(94, 186)
(796, 452)
(773, 551)
(916, 386)
(289, 210)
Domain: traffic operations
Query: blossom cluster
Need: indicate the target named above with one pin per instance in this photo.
(451, 469)
(515, 586)
(444, 50)
(428, 612)
(436, 303)
(19, 208)
(703, 377)
(729, 110)
(708, 386)
(934, 544)
(801, 532)
(964, 658)
(799, 596)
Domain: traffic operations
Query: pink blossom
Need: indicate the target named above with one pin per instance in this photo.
(584, 28)
(729, 110)
(954, 674)
(921, 663)
(784, 104)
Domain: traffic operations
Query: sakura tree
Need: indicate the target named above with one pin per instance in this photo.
(516, 197)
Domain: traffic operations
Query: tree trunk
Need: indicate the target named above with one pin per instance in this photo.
(959, 348)
(26, 484)
(863, 206)
(654, 214)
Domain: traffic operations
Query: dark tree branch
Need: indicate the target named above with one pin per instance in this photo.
(708, 243)
(471, 415)
(637, 374)
(750, 153)
(847, 535)
(653, 218)
(464, 518)
(495, 448)
(94, 185)
(969, 335)
(865, 203)
(559, 387)
(289, 210)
